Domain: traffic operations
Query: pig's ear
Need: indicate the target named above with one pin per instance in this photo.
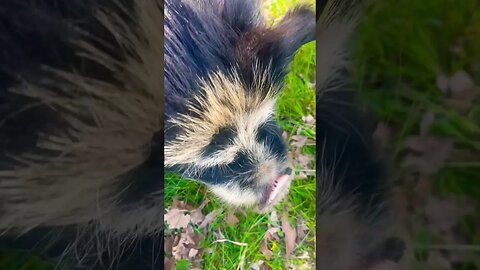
(275, 46)
(295, 29)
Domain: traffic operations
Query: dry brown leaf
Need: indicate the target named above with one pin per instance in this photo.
(176, 240)
(443, 83)
(299, 141)
(434, 152)
(176, 218)
(181, 250)
(290, 235)
(256, 265)
(301, 229)
(273, 217)
(272, 234)
(309, 120)
(460, 82)
(177, 204)
(305, 160)
(196, 216)
(232, 219)
(194, 237)
(443, 214)
(311, 85)
(168, 244)
(209, 218)
(186, 247)
(456, 85)
(265, 250)
(169, 263)
(265, 267)
(461, 106)
(192, 253)
(460, 90)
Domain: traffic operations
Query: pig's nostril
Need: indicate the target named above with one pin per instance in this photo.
(288, 171)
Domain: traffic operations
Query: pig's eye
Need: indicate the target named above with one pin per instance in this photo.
(268, 132)
(270, 135)
(219, 141)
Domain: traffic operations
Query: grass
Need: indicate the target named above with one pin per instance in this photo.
(297, 100)
(402, 47)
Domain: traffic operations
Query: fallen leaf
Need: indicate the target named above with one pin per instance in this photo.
(273, 216)
(176, 240)
(456, 85)
(181, 205)
(197, 215)
(219, 235)
(299, 141)
(460, 90)
(443, 83)
(265, 250)
(187, 241)
(434, 153)
(309, 120)
(176, 203)
(272, 234)
(312, 85)
(256, 265)
(290, 235)
(460, 82)
(461, 106)
(168, 244)
(169, 263)
(443, 214)
(192, 253)
(232, 219)
(265, 267)
(301, 229)
(176, 218)
(305, 160)
(209, 218)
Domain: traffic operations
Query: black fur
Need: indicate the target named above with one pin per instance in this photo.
(227, 35)
(219, 43)
(39, 33)
(344, 134)
(353, 178)
(355, 225)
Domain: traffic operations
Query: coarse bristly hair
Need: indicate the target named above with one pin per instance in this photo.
(355, 228)
(224, 68)
(81, 130)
